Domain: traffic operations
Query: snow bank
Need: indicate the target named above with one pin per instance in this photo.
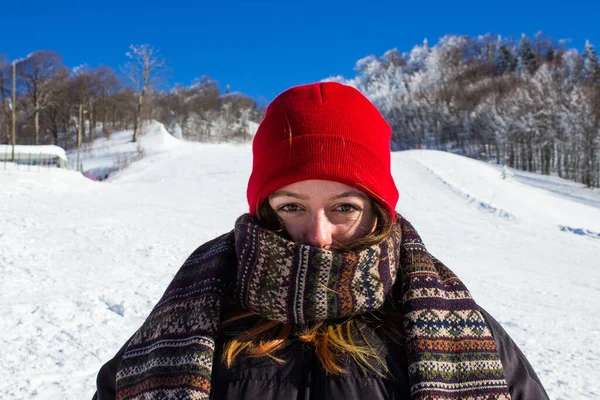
(156, 139)
(551, 202)
(104, 157)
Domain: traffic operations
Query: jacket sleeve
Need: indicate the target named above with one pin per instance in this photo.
(107, 377)
(523, 383)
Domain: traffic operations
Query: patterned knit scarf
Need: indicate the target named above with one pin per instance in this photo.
(450, 349)
(286, 282)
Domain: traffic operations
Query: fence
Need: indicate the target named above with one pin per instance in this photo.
(119, 161)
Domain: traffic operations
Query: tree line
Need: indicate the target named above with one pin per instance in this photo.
(529, 103)
(54, 104)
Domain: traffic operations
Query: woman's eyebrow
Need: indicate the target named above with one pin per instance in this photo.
(285, 193)
(350, 193)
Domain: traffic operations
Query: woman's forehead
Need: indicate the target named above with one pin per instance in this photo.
(309, 189)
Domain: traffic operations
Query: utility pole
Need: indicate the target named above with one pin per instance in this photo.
(14, 107)
(79, 128)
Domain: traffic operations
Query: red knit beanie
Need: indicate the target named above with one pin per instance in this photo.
(325, 131)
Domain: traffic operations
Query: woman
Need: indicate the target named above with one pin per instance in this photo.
(322, 291)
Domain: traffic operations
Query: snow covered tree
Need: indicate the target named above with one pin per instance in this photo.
(417, 59)
(546, 98)
(571, 67)
(504, 60)
(591, 66)
(583, 121)
(526, 61)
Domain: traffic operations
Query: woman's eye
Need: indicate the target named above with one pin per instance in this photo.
(289, 208)
(346, 208)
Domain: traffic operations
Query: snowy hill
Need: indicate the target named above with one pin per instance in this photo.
(82, 262)
(518, 196)
(104, 156)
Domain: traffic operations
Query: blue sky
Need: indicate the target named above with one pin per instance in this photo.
(262, 47)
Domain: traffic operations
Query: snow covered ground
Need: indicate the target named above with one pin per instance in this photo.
(82, 262)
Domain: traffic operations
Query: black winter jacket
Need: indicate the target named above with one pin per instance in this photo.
(302, 376)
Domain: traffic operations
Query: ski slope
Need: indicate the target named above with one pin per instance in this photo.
(82, 262)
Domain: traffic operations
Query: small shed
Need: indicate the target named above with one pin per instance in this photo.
(35, 155)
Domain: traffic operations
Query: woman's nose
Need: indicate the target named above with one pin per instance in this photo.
(319, 233)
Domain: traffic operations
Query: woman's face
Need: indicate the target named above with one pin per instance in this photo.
(323, 214)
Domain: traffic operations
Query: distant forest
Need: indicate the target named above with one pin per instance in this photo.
(530, 103)
(70, 107)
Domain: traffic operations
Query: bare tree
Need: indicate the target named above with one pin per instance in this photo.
(4, 99)
(57, 113)
(106, 84)
(82, 90)
(38, 71)
(122, 107)
(143, 69)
